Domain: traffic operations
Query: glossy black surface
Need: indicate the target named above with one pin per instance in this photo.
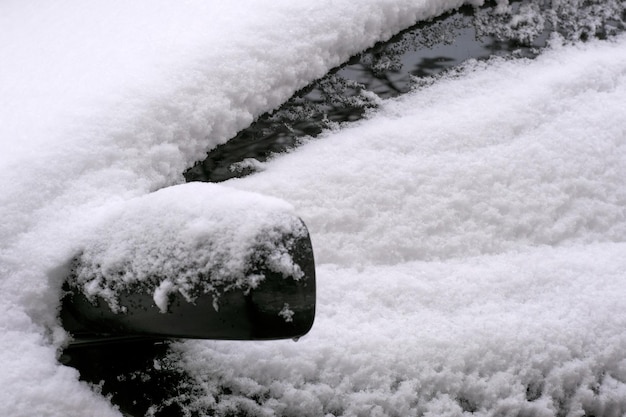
(280, 307)
(134, 372)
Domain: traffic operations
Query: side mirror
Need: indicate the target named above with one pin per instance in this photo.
(279, 304)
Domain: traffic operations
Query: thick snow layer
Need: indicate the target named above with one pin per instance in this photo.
(470, 237)
(470, 241)
(102, 102)
(537, 333)
(503, 156)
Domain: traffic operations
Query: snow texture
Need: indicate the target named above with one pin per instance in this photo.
(470, 237)
(193, 239)
(470, 243)
(103, 102)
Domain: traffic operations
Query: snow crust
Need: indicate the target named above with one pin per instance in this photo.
(470, 237)
(103, 102)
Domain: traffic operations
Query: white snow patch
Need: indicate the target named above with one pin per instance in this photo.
(247, 164)
(286, 313)
(162, 294)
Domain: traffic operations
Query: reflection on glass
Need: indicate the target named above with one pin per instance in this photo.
(407, 60)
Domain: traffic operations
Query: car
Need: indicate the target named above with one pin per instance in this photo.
(126, 354)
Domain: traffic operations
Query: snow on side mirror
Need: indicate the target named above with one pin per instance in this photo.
(193, 261)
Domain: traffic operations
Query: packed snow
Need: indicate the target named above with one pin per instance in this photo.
(469, 236)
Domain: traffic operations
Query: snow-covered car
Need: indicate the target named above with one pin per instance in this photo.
(469, 227)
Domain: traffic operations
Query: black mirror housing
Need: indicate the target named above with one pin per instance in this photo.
(279, 307)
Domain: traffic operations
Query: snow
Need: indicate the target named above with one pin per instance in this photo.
(166, 241)
(470, 248)
(532, 333)
(453, 171)
(469, 237)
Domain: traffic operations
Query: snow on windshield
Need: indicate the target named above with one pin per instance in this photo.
(468, 237)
